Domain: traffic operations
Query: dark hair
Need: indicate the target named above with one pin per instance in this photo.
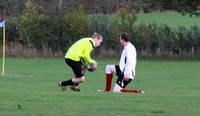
(125, 36)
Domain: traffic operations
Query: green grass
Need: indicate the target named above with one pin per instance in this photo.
(29, 88)
(172, 19)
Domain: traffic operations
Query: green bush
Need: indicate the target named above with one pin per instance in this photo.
(42, 31)
(29, 26)
(77, 24)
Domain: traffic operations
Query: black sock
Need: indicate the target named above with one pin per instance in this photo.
(67, 83)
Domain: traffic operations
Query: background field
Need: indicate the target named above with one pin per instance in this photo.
(172, 19)
(30, 89)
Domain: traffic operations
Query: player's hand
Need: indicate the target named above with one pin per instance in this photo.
(92, 67)
(94, 63)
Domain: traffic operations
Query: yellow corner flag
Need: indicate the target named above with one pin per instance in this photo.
(2, 24)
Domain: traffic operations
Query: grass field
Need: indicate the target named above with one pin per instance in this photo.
(172, 19)
(29, 88)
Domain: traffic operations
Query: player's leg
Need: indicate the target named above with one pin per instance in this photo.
(79, 76)
(123, 90)
(125, 83)
(78, 80)
(121, 85)
(118, 89)
(132, 91)
(110, 69)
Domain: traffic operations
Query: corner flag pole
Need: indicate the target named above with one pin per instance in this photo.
(2, 25)
(4, 49)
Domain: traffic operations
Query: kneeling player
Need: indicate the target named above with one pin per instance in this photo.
(125, 70)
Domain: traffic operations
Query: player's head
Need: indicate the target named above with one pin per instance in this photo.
(1, 18)
(124, 38)
(97, 38)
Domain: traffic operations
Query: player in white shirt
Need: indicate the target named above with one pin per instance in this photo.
(125, 71)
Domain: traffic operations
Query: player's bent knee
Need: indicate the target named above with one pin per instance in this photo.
(82, 79)
(110, 69)
(78, 80)
(75, 80)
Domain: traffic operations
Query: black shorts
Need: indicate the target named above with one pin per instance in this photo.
(120, 81)
(76, 66)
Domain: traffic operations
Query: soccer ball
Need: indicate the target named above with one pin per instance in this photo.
(92, 67)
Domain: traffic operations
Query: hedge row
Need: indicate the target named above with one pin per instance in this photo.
(55, 33)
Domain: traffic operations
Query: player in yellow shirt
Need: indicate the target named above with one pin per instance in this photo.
(77, 56)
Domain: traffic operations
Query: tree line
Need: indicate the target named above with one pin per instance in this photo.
(43, 31)
(16, 7)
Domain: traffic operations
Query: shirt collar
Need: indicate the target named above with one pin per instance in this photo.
(92, 42)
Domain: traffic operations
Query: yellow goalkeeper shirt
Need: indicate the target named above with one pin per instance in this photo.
(80, 50)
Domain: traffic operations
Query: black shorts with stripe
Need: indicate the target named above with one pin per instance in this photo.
(120, 81)
(76, 67)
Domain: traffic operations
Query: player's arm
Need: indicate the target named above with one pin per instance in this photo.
(92, 65)
(87, 56)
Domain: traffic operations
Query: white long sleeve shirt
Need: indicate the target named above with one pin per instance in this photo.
(128, 60)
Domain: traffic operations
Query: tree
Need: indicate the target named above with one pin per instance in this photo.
(77, 23)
